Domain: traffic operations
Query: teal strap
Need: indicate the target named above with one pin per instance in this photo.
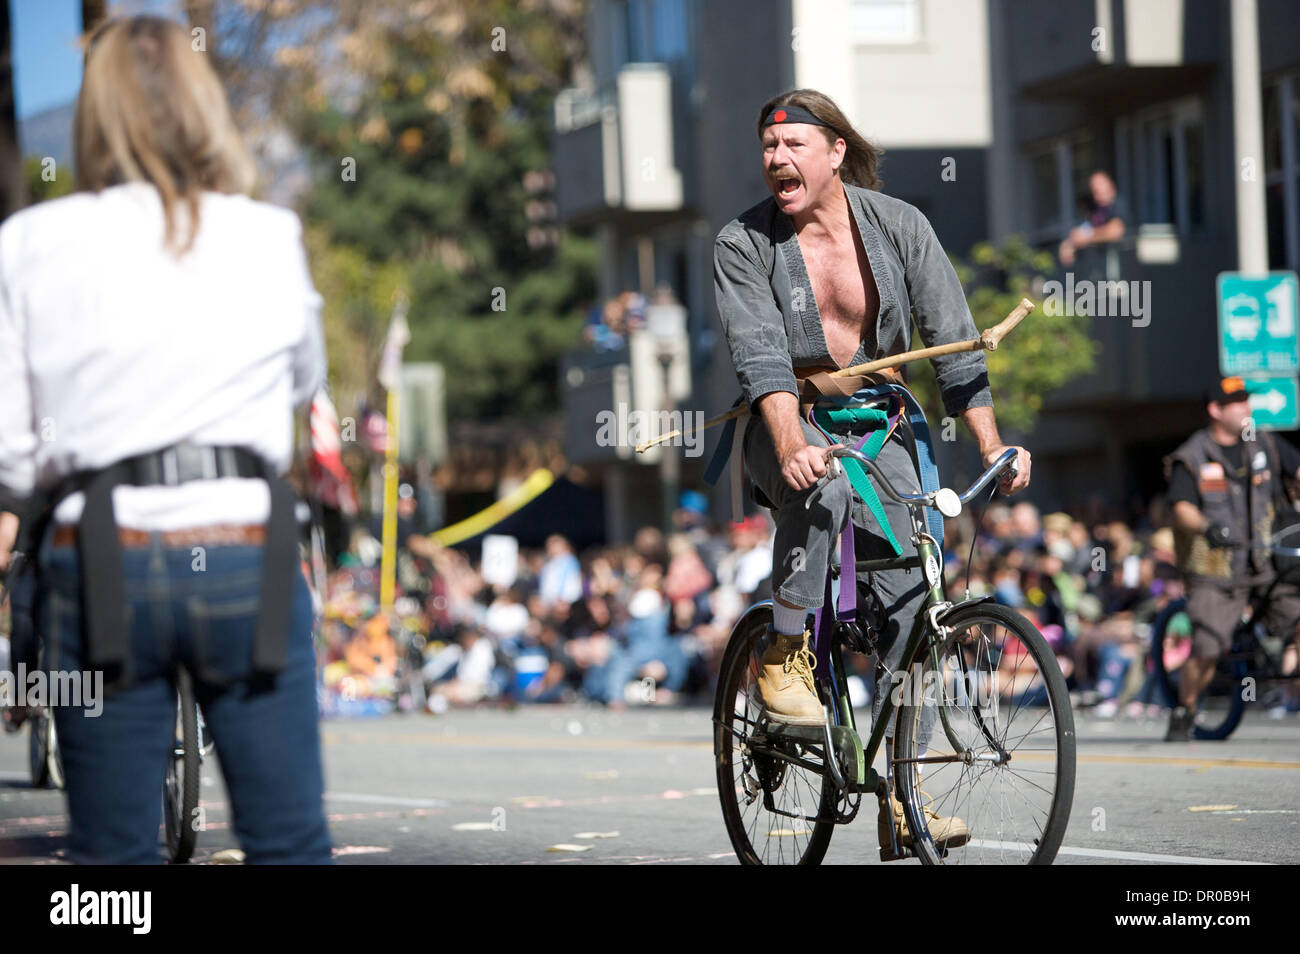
(878, 420)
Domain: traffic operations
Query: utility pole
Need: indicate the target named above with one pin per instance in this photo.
(1248, 132)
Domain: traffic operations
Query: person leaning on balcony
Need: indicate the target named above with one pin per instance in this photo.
(1107, 213)
(157, 330)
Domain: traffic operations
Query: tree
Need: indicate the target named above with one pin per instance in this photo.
(1042, 354)
(425, 164)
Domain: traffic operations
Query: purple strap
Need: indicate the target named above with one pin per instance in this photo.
(847, 604)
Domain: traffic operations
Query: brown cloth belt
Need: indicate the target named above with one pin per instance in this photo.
(816, 383)
(214, 535)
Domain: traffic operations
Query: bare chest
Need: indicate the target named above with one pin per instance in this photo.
(846, 294)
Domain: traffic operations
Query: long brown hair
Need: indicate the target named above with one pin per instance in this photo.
(151, 109)
(861, 159)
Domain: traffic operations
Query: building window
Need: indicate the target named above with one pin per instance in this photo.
(1047, 207)
(1059, 170)
(885, 21)
(1282, 170)
(1166, 165)
(650, 31)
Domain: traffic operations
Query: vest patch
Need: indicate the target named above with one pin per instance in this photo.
(1213, 479)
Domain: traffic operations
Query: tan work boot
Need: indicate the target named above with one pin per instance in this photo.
(786, 682)
(946, 832)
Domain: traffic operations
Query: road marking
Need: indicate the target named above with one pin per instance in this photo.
(1229, 762)
(508, 741)
(1114, 854)
(336, 737)
(1154, 858)
(388, 800)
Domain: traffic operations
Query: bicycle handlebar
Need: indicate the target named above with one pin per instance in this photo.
(948, 502)
(1282, 534)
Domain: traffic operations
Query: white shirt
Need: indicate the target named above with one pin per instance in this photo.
(111, 347)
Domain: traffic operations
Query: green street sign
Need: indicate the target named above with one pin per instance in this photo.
(1274, 402)
(1257, 323)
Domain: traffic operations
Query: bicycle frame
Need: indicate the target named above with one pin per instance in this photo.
(928, 555)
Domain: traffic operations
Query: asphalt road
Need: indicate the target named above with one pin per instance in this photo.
(637, 787)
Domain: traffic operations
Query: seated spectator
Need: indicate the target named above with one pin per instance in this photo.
(648, 651)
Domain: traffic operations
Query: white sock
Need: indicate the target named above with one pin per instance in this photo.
(788, 621)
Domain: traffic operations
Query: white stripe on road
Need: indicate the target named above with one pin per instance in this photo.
(387, 800)
(1115, 855)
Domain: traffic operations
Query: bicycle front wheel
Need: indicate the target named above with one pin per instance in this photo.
(778, 800)
(986, 741)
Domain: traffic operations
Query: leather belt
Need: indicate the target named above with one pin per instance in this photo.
(214, 535)
(100, 545)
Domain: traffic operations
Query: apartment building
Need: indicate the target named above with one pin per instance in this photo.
(992, 113)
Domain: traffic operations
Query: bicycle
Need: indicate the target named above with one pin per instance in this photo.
(181, 814)
(984, 665)
(44, 763)
(1253, 653)
(43, 759)
(180, 793)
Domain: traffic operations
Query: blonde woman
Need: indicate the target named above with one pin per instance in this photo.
(157, 329)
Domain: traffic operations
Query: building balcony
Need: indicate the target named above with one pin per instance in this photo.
(1107, 49)
(613, 148)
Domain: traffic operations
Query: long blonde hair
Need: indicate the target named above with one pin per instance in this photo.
(861, 165)
(151, 109)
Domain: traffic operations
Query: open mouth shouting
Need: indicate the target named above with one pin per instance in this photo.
(788, 187)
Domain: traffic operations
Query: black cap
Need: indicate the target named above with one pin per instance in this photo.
(1227, 391)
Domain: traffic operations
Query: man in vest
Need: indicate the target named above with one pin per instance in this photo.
(1225, 492)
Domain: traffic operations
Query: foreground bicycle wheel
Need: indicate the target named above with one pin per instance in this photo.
(778, 802)
(181, 788)
(1001, 756)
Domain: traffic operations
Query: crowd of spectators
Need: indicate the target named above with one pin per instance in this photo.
(646, 622)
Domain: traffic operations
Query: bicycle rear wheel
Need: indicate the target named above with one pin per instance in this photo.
(778, 800)
(1222, 704)
(181, 788)
(1001, 756)
(38, 748)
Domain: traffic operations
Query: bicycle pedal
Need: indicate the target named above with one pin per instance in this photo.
(887, 854)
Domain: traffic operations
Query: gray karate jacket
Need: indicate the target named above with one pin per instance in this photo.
(771, 320)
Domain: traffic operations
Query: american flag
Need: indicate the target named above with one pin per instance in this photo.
(332, 480)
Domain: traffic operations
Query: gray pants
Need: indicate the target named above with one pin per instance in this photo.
(807, 543)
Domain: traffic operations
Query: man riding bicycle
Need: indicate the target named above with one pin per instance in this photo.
(1225, 493)
(824, 274)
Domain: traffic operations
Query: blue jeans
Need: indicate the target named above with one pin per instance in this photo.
(201, 618)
